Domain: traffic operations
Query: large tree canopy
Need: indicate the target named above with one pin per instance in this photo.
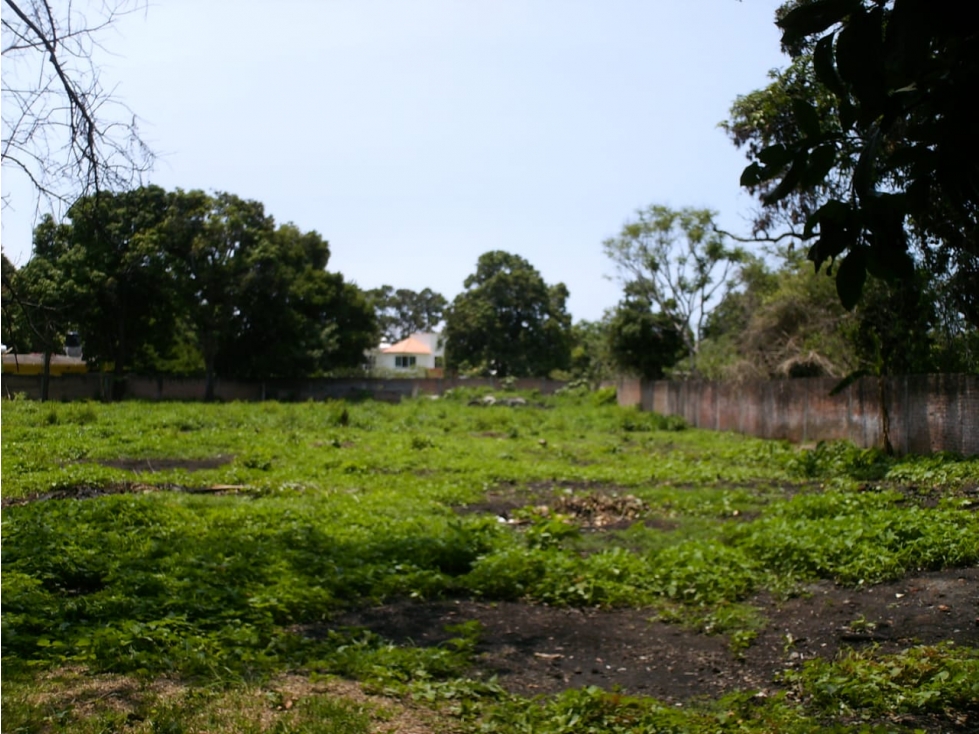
(676, 262)
(872, 135)
(147, 273)
(508, 321)
(402, 312)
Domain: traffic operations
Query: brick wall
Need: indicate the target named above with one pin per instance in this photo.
(926, 413)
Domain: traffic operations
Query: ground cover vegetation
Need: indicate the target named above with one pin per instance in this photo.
(565, 565)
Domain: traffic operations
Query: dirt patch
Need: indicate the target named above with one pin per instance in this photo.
(89, 491)
(589, 505)
(144, 466)
(536, 649)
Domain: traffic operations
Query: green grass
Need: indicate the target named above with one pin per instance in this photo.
(339, 505)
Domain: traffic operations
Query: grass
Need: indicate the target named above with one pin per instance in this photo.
(335, 505)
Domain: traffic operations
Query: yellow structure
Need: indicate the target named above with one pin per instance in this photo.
(33, 364)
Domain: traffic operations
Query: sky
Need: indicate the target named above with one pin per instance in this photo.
(416, 135)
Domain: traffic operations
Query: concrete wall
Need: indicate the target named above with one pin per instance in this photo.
(927, 413)
(94, 386)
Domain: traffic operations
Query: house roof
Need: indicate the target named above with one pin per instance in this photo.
(411, 345)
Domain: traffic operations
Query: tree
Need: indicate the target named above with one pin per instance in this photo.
(61, 128)
(677, 262)
(778, 323)
(641, 342)
(113, 271)
(402, 312)
(206, 237)
(291, 317)
(591, 357)
(508, 321)
(893, 123)
(36, 316)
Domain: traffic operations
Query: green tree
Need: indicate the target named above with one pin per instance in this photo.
(884, 127)
(591, 356)
(778, 323)
(115, 276)
(508, 321)
(35, 315)
(642, 342)
(291, 317)
(402, 312)
(677, 262)
(207, 237)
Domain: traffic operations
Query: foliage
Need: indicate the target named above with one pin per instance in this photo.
(919, 680)
(508, 321)
(591, 357)
(330, 506)
(402, 312)
(869, 130)
(779, 323)
(677, 262)
(151, 279)
(642, 342)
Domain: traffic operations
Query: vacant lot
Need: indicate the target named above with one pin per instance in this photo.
(561, 566)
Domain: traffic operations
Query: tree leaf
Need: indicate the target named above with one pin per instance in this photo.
(775, 156)
(860, 62)
(806, 117)
(814, 17)
(788, 183)
(865, 173)
(751, 176)
(850, 277)
(821, 162)
(823, 62)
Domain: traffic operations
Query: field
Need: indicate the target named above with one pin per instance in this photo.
(564, 565)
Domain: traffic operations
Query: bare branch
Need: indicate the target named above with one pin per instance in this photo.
(60, 127)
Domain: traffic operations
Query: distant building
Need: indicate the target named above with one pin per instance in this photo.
(420, 355)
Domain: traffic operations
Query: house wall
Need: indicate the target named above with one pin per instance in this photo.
(387, 361)
(926, 413)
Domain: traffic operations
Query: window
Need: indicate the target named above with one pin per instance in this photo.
(404, 362)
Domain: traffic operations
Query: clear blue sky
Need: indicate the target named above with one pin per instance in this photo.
(416, 135)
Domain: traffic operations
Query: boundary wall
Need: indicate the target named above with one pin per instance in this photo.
(98, 386)
(925, 413)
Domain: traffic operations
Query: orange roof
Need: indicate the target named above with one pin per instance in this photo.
(411, 345)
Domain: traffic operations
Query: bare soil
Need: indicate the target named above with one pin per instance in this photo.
(540, 649)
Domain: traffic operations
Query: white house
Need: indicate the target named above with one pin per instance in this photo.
(421, 354)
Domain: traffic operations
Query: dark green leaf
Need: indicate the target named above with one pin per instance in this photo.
(814, 17)
(850, 277)
(847, 114)
(789, 182)
(859, 60)
(825, 67)
(751, 175)
(865, 174)
(821, 162)
(806, 118)
(775, 156)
